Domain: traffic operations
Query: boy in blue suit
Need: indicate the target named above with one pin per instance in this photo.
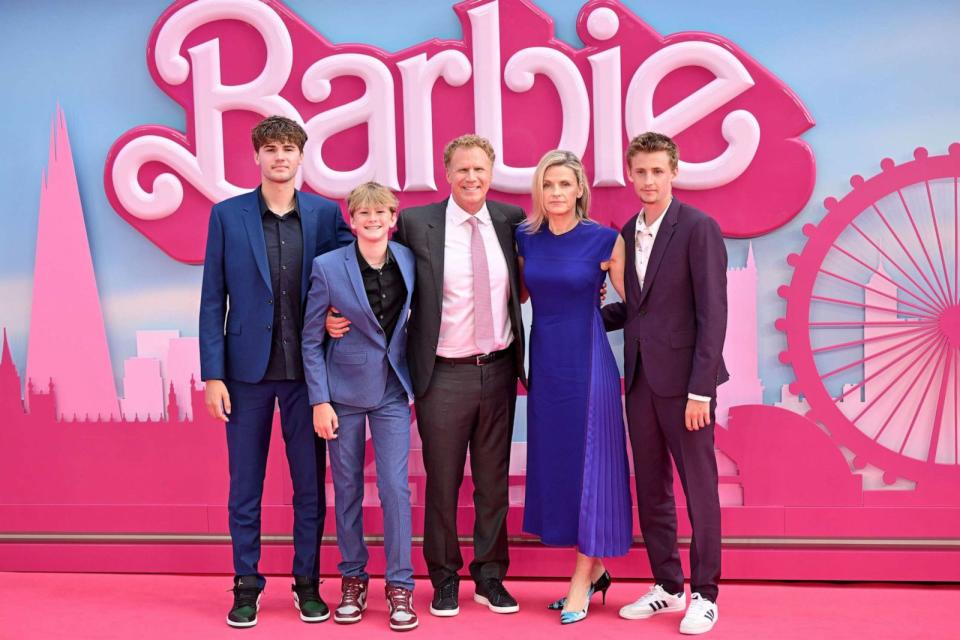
(260, 246)
(363, 376)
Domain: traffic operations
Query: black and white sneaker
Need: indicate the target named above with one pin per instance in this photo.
(446, 600)
(246, 602)
(491, 593)
(700, 616)
(653, 602)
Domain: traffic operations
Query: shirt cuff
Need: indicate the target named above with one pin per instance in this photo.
(693, 396)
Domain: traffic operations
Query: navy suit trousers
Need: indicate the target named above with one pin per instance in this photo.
(248, 441)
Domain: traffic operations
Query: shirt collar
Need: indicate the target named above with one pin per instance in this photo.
(456, 215)
(655, 227)
(364, 265)
(264, 209)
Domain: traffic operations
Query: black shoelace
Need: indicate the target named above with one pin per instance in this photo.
(245, 596)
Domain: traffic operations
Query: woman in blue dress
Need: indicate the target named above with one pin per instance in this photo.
(577, 478)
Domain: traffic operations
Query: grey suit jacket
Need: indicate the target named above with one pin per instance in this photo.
(422, 229)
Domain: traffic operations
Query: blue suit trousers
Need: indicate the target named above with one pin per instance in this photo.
(248, 441)
(390, 431)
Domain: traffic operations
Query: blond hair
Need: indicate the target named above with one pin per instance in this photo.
(371, 194)
(556, 158)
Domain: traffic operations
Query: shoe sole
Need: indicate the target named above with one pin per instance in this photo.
(241, 625)
(695, 632)
(405, 627)
(444, 613)
(649, 614)
(481, 600)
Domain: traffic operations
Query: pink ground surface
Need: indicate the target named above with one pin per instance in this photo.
(37, 606)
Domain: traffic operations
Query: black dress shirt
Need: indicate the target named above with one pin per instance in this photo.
(284, 239)
(385, 291)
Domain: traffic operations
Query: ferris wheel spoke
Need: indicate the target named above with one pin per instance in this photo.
(923, 246)
(929, 310)
(956, 243)
(861, 305)
(923, 296)
(899, 345)
(909, 255)
(839, 324)
(928, 344)
(854, 343)
(923, 398)
(936, 229)
(932, 351)
(941, 403)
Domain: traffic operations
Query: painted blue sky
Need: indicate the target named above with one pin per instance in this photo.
(880, 79)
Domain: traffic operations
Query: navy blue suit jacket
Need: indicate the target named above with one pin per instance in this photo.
(237, 297)
(675, 326)
(353, 369)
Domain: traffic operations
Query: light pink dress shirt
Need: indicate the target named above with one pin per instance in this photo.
(457, 338)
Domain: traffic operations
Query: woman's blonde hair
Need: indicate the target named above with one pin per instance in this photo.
(556, 158)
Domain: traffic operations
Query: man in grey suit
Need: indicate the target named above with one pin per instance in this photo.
(465, 352)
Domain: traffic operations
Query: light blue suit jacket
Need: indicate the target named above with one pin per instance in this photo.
(352, 370)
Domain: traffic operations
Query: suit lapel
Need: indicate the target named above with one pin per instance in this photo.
(353, 273)
(436, 238)
(667, 228)
(308, 227)
(408, 272)
(253, 222)
(505, 236)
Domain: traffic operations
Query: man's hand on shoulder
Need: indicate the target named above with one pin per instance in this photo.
(217, 399)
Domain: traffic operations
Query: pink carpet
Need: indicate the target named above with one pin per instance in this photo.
(37, 606)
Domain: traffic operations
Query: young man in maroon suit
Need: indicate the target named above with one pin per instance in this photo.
(674, 320)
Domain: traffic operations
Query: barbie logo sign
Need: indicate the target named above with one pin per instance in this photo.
(374, 115)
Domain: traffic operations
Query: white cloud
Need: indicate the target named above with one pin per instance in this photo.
(164, 307)
(15, 303)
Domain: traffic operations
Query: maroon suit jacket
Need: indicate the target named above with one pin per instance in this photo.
(676, 325)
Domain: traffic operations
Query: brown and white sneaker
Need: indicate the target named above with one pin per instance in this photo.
(353, 601)
(400, 601)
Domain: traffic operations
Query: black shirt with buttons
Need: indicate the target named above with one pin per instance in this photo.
(385, 291)
(284, 239)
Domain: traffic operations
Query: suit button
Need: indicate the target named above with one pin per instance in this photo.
(642, 312)
(380, 332)
(269, 327)
(270, 301)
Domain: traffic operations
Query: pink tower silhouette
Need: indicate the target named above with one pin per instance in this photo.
(68, 343)
(10, 388)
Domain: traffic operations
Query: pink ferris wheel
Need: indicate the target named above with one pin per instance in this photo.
(873, 319)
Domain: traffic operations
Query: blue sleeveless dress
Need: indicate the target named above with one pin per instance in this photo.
(577, 488)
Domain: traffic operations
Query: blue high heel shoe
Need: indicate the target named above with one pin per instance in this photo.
(602, 584)
(569, 617)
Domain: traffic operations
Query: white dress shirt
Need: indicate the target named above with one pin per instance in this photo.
(457, 339)
(645, 237)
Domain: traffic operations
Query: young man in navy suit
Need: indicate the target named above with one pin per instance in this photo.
(260, 246)
(364, 377)
(674, 320)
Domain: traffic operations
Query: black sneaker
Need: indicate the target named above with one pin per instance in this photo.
(492, 593)
(446, 598)
(307, 600)
(246, 602)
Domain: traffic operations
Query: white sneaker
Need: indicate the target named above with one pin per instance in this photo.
(653, 602)
(700, 616)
